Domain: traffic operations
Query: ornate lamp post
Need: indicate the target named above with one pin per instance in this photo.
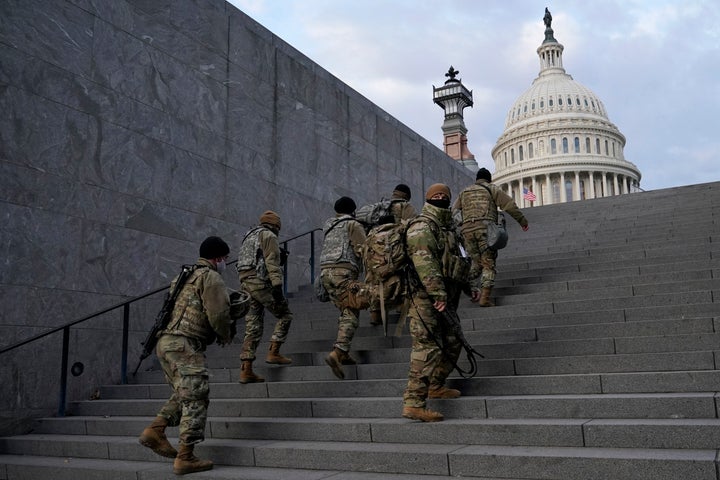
(453, 97)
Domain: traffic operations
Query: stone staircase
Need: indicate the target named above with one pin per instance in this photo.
(601, 364)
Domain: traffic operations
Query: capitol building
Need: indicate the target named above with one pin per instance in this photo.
(559, 144)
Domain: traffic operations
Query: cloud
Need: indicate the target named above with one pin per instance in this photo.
(653, 63)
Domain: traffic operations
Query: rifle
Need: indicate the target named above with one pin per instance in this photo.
(453, 320)
(451, 317)
(164, 315)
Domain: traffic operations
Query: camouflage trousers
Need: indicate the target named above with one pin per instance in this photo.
(339, 282)
(183, 362)
(260, 299)
(482, 270)
(429, 364)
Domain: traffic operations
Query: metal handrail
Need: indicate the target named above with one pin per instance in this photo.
(126, 324)
(311, 260)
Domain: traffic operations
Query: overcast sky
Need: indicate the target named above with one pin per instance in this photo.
(655, 64)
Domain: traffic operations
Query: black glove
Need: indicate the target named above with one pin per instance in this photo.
(283, 256)
(277, 294)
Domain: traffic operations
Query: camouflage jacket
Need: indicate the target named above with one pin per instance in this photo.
(202, 309)
(259, 256)
(480, 202)
(433, 245)
(343, 243)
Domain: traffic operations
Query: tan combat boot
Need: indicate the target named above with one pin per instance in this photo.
(153, 437)
(441, 391)
(422, 414)
(485, 298)
(334, 361)
(274, 356)
(375, 318)
(346, 359)
(247, 375)
(186, 462)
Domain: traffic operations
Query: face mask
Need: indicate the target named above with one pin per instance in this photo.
(439, 203)
(220, 266)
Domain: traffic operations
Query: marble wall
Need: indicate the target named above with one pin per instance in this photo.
(129, 131)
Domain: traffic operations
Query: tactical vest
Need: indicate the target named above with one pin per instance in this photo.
(336, 247)
(188, 316)
(250, 256)
(478, 204)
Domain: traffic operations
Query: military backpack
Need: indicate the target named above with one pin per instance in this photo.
(371, 215)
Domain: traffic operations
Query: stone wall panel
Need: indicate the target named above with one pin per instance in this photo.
(140, 71)
(41, 134)
(54, 31)
(133, 129)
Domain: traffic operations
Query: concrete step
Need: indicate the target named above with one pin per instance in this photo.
(702, 433)
(601, 267)
(313, 352)
(498, 318)
(393, 364)
(684, 302)
(524, 276)
(59, 468)
(591, 246)
(537, 284)
(609, 292)
(664, 381)
(629, 255)
(409, 459)
(667, 405)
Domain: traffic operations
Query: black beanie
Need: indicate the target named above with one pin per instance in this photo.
(485, 174)
(213, 247)
(402, 188)
(345, 205)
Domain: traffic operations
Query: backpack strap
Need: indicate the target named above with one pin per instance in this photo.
(492, 199)
(337, 222)
(253, 230)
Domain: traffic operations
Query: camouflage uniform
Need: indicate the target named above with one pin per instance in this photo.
(477, 205)
(340, 264)
(433, 247)
(200, 316)
(259, 271)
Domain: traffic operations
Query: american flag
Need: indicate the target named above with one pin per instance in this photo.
(529, 195)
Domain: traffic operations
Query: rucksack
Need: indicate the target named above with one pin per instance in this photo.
(386, 261)
(370, 215)
(385, 252)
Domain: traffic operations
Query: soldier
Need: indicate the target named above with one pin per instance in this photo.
(434, 249)
(201, 315)
(479, 203)
(260, 272)
(400, 209)
(340, 265)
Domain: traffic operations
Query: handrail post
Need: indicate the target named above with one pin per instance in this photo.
(63, 372)
(126, 329)
(285, 272)
(312, 256)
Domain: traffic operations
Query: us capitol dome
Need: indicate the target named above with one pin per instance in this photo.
(559, 144)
